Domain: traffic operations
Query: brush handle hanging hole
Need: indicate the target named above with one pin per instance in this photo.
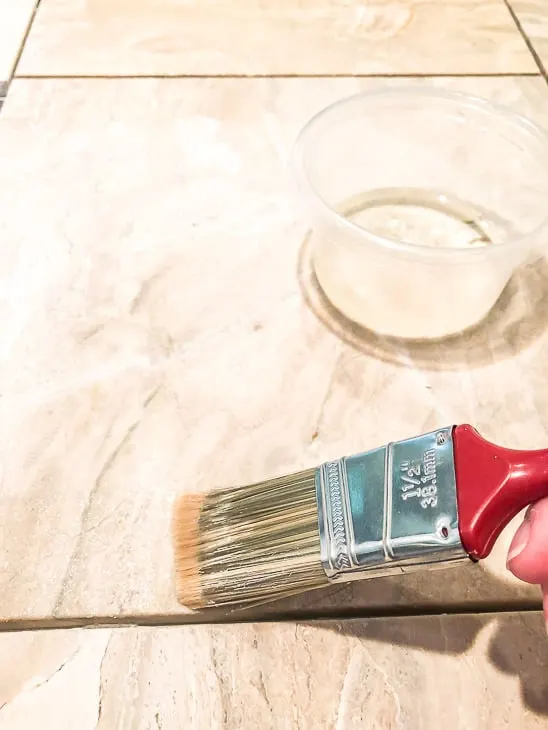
(441, 438)
(442, 529)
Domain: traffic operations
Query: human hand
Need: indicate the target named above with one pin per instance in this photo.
(528, 553)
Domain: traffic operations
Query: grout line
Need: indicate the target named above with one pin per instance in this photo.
(528, 42)
(178, 77)
(189, 620)
(4, 85)
(24, 40)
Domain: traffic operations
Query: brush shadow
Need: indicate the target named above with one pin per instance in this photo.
(408, 610)
(465, 588)
(517, 648)
(518, 319)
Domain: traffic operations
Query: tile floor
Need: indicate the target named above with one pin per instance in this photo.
(15, 19)
(470, 672)
(532, 15)
(105, 37)
(128, 360)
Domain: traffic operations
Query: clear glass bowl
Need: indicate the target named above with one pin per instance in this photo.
(422, 204)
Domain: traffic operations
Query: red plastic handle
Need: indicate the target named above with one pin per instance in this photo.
(493, 485)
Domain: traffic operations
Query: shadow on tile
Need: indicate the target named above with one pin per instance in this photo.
(518, 647)
(506, 330)
(457, 589)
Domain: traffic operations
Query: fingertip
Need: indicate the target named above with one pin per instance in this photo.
(519, 543)
(528, 553)
(539, 510)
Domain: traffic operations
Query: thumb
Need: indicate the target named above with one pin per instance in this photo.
(528, 553)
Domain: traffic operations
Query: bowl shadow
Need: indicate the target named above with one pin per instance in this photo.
(518, 319)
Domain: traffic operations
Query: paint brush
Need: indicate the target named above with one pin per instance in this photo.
(426, 502)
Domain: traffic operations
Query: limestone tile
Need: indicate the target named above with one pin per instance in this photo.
(192, 37)
(470, 671)
(161, 334)
(15, 16)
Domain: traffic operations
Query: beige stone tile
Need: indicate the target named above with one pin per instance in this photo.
(15, 16)
(179, 37)
(470, 672)
(533, 16)
(156, 340)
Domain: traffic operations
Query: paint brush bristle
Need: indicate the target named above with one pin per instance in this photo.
(248, 545)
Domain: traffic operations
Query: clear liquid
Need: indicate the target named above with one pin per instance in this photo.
(414, 296)
(424, 218)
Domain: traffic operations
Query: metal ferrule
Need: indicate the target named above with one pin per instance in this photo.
(390, 510)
